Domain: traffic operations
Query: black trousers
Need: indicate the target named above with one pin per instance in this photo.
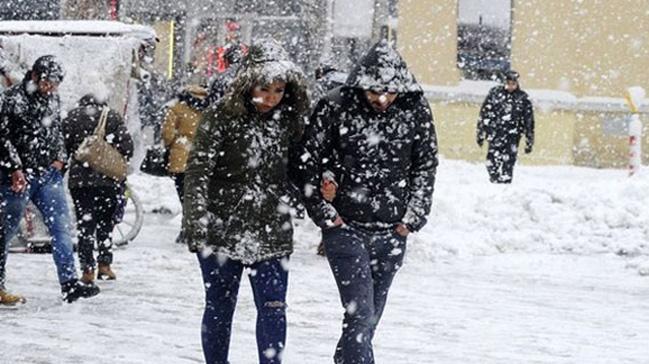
(95, 209)
(500, 162)
(3, 244)
(179, 181)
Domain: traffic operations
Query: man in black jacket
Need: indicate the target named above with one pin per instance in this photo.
(374, 138)
(30, 132)
(505, 116)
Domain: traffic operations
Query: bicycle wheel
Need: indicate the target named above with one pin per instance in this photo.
(131, 222)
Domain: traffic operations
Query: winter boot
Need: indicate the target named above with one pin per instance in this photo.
(8, 299)
(105, 273)
(88, 276)
(73, 290)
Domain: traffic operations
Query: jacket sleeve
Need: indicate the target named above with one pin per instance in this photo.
(169, 129)
(69, 136)
(9, 158)
(528, 120)
(120, 137)
(422, 170)
(317, 150)
(202, 160)
(60, 154)
(486, 116)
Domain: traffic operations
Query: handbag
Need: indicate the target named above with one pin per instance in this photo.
(156, 161)
(100, 155)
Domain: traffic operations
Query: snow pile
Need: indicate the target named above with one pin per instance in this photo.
(548, 210)
(545, 210)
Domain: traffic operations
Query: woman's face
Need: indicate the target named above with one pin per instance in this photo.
(267, 97)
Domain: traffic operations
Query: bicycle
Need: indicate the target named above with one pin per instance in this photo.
(33, 236)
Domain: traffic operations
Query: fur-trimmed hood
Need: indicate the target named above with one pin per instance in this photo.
(265, 63)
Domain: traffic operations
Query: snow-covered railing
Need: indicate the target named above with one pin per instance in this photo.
(476, 91)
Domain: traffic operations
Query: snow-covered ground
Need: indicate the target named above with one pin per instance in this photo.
(547, 270)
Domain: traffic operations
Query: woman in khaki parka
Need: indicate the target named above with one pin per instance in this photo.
(178, 131)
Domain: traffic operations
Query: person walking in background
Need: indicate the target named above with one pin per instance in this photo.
(505, 116)
(373, 138)
(94, 195)
(30, 127)
(178, 132)
(236, 183)
(233, 54)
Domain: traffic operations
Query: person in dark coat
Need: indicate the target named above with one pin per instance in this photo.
(95, 196)
(235, 210)
(30, 127)
(7, 159)
(327, 78)
(233, 55)
(374, 138)
(505, 116)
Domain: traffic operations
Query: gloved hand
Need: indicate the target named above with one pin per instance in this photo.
(528, 149)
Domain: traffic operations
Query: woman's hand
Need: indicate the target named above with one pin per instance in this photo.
(402, 230)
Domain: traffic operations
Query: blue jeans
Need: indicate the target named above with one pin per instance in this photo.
(47, 192)
(363, 264)
(221, 278)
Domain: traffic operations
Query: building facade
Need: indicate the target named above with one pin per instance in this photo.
(576, 59)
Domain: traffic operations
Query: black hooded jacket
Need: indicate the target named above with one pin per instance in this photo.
(80, 123)
(384, 162)
(30, 129)
(505, 117)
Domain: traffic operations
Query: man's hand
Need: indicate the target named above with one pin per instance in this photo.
(338, 221)
(402, 230)
(18, 181)
(328, 190)
(528, 149)
(58, 165)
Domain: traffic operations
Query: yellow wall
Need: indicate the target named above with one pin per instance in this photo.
(594, 148)
(163, 49)
(589, 48)
(456, 131)
(428, 39)
(584, 47)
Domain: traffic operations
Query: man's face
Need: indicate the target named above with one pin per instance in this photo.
(511, 86)
(380, 101)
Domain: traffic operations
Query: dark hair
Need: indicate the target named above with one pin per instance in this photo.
(48, 68)
(511, 75)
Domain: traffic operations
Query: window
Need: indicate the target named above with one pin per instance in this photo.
(484, 38)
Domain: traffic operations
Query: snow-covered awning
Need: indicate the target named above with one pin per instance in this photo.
(77, 27)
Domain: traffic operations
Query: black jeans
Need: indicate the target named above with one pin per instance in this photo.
(95, 209)
(364, 265)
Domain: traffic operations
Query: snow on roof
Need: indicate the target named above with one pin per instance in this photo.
(476, 91)
(80, 27)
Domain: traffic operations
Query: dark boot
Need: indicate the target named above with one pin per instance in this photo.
(73, 290)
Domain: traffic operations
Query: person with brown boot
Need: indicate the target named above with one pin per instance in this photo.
(95, 196)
